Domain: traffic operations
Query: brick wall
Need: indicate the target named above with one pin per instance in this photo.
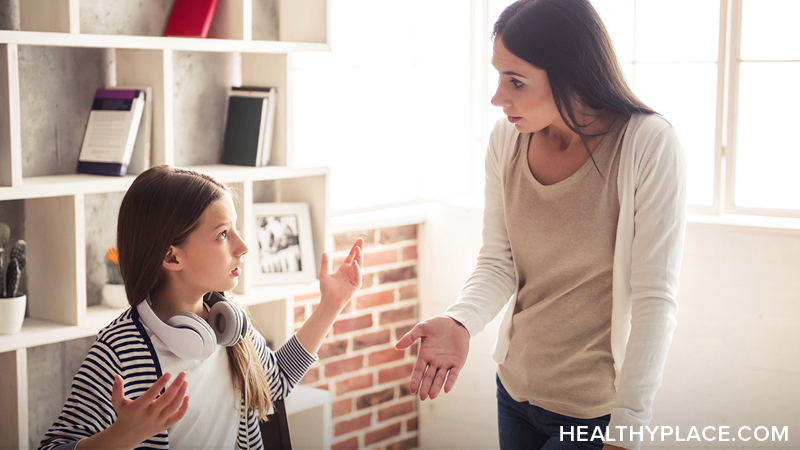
(372, 408)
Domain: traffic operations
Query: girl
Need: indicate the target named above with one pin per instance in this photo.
(583, 235)
(178, 249)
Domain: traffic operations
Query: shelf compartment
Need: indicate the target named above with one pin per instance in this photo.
(10, 153)
(14, 398)
(157, 43)
(101, 212)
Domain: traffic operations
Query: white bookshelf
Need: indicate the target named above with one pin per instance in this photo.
(54, 213)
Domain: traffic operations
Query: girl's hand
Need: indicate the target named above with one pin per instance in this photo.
(337, 288)
(151, 413)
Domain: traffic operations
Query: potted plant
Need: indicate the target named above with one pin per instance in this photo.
(114, 291)
(12, 303)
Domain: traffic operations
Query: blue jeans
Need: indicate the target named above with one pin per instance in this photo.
(523, 426)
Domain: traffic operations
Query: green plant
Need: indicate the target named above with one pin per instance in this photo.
(16, 263)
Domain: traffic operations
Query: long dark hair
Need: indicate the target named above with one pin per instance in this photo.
(163, 207)
(567, 39)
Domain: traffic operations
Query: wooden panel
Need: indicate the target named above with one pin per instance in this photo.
(10, 147)
(272, 70)
(229, 20)
(272, 321)
(59, 16)
(13, 391)
(56, 259)
(304, 21)
(148, 68)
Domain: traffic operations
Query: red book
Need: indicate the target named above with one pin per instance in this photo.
(190, 18)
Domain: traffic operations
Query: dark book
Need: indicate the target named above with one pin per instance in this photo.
(249, 127)
(190, 18)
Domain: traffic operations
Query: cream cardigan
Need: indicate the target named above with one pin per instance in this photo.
(647, 260)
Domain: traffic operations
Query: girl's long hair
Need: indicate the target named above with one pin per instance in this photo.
(162, 208)
(567, 39)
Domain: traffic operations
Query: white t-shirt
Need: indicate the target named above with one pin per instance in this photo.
(212, 420)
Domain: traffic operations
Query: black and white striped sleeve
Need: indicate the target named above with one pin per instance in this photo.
(285, 367)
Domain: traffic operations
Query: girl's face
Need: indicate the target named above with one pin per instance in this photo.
(524, 92)
(211, 257)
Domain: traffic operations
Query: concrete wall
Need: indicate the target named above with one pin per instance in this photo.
(734, 360)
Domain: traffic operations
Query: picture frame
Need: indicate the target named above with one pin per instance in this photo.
(282, 248)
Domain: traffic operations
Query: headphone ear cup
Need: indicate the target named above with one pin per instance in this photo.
(191, 321)
(229, 323)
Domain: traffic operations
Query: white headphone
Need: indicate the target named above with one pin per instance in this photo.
(188, 336)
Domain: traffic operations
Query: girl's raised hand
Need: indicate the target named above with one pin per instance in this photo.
(151, 413)
(338, 287)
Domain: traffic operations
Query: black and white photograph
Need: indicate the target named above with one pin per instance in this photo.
(283, 247)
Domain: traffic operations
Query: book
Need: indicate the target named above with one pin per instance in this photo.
(249, 126)
(190, 18)
(141, 154)
(111, 131)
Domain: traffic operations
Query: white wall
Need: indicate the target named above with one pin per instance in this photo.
(734, 361)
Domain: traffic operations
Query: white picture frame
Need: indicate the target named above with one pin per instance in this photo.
(282, 247)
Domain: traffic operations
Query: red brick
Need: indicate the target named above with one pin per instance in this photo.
(403, 273)
(397, 315)
(376, 398)
(396, 373)
(407, 292)
(331, 349)
(333, 369)
(401, 331)
(323, 385)
(376, 299)
(299, 314)
(363, 341)
(383, 356)
(312, 376)
(353, 384)
(412, 424)
(304, 297)
(347, 325)
(341, 407)
(395, 410)
(405, 444)
(348, 426)
(382, 434)
(380, 258)
(343, 242)
(397, 234)
(350, 444)
(409, 253)
(404, 390)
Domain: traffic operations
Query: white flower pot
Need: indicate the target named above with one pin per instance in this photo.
(114, 296)
(12, 313)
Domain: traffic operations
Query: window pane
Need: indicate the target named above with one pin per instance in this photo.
(686, 95)
(677, 30)
(617, 16)
(388, 113)
(770, 29)
(767, 154)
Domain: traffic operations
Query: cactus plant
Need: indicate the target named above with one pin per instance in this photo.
(9, 284)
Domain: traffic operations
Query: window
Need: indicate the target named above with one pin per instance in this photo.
(406, 92)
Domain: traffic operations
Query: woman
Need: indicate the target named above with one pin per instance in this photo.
(583, 231)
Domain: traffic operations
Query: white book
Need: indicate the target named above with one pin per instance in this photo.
(111, 132)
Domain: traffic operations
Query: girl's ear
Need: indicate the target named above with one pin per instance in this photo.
(171, 261)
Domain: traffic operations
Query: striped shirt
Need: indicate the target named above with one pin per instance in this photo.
(123, 347)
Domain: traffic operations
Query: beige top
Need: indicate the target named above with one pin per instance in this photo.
(563, 236)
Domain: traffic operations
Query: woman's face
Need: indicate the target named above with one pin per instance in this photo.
(524, 91)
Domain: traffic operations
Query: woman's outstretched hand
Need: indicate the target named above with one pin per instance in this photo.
(444, 344)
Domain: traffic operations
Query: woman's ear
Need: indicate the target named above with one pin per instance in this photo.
(171, 260)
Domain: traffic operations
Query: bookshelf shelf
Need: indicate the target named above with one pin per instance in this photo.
(51, 63)
(50, 39)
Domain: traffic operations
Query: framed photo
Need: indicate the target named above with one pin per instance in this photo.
(283, 251)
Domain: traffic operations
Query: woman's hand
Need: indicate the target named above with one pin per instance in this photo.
(443, 350)
(337, 288)
(140, 419)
